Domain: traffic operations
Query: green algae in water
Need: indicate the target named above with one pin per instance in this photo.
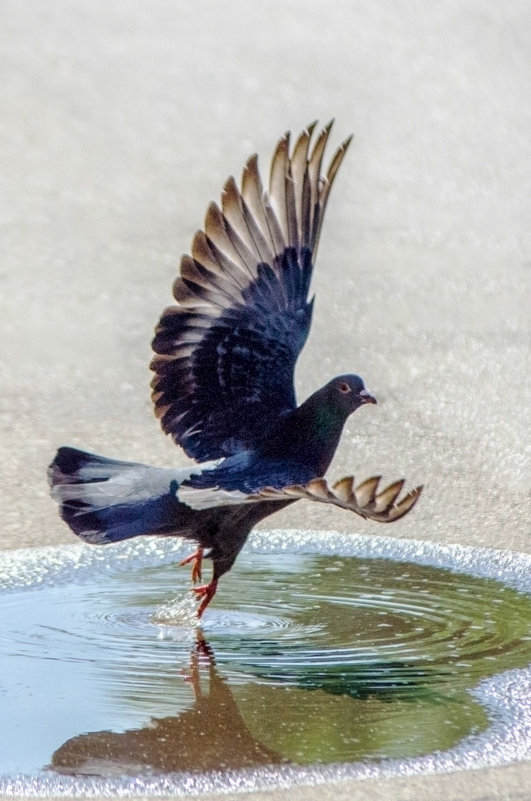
(302, 659)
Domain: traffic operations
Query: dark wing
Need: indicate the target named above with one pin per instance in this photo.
(226, 353)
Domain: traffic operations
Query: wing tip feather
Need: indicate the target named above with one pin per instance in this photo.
(363, 500)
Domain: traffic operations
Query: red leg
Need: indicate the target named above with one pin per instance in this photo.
(206, 592)
(197, 558)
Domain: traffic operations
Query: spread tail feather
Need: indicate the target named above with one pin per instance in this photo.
(105, 500)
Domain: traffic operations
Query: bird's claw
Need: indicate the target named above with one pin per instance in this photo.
(197, 560)
(206, 592)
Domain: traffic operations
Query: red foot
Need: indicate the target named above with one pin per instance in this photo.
(197, 558)
(206, 592)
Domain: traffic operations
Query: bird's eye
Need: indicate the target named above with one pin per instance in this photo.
(344, 387)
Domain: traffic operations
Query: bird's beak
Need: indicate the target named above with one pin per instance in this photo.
(366, 397)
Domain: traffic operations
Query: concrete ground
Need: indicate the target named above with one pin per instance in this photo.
(120, 121)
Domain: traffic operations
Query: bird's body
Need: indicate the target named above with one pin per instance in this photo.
(224, 383)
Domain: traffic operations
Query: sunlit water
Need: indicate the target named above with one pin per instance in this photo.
(301, 659)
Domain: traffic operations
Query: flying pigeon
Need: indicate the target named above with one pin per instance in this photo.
(223, 387)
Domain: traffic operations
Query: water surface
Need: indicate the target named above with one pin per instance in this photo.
(302, 659)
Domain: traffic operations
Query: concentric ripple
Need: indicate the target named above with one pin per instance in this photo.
(302, 659)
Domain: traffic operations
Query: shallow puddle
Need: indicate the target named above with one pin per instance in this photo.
(301, 659)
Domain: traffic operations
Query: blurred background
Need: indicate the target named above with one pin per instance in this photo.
(120, 122)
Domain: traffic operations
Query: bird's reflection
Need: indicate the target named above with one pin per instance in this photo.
(212, 735)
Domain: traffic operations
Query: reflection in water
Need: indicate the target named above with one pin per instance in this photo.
(387, 681)
(212, 735)
(318, 659)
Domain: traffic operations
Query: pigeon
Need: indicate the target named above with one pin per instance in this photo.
(223, 385)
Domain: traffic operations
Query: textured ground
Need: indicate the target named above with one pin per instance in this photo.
(121, 121)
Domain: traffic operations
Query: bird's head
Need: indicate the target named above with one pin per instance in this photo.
(348, 393)
(314, 429)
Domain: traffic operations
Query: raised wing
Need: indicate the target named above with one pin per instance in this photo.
(226, 352)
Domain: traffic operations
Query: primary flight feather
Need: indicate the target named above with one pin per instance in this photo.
(223, 388)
